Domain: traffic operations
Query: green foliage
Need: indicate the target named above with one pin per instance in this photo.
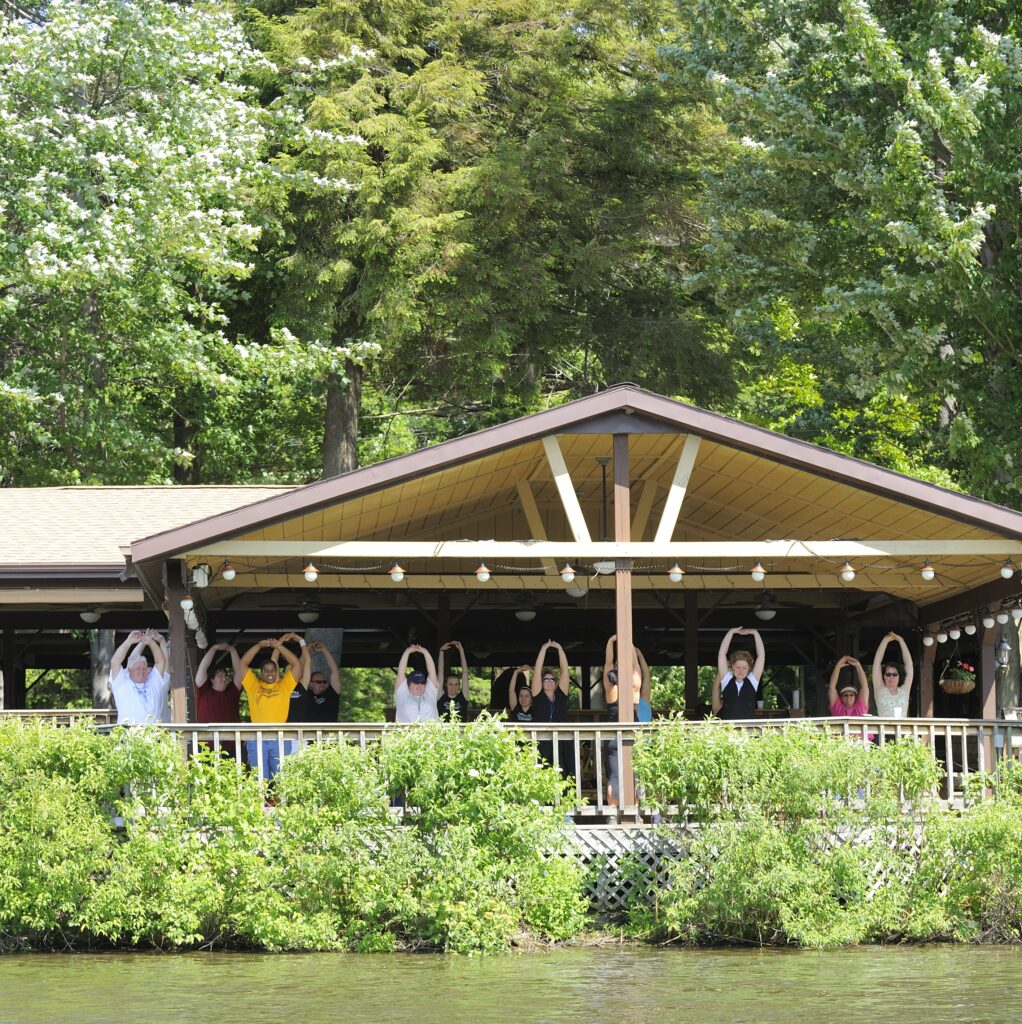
(862, 222)
(200, 861)
(802, 837)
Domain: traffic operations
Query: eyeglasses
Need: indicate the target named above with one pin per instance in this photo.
(895, 674)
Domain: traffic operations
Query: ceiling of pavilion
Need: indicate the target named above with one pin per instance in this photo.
(746, 485)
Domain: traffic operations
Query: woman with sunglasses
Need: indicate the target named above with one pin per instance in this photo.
(892, 682)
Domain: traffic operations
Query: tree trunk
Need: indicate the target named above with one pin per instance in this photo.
(101, 646)
(340, 434)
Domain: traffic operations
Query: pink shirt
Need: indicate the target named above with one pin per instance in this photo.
(855, 711)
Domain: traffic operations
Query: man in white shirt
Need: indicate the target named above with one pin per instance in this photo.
(416, 693)
(140, 692)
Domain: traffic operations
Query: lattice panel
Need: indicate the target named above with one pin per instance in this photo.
(624, 861)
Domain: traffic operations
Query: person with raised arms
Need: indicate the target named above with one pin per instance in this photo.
(736, 687)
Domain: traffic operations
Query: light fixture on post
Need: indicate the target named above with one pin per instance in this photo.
(525, 615)
(568, 573)
(201, 575)
(1003, 653)
(954, 632)
(311, 573)
(927, 572)
(227, 571)
(1008, 569)
(942, 637)
(758, 573)
(847, 572)
(187, 602)
(396, 572)
(927, 639)
(89, 615)
(988, 621)
(482, 573)
(970, 629)
(676, 574)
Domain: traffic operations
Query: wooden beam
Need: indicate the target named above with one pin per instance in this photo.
(70, 595)
(691, 650)
(926, 676)
(569, 499)
(533, 519)
(679, 486)
(988, 673)
(623, 613)
(175, 590)
(646, 498)
(777, 550)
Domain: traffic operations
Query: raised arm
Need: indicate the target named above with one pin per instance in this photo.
(512, 687)
(158, 646)
(402, 667)
(537, 671)
(878, 664)
(293, 660)
(202, 672)
(117, 661)
(565, 681)
(860, 674)
(757, 669)
(464, 668)
(431, 679)
(335, 672)
(235, 664)
(646, 686)
(725, 646)
(834, 677)
(249, 656)
(906, 660)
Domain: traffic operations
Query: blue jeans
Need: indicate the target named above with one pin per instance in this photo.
(271, 756)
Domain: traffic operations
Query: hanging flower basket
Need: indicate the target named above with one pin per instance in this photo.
(958, 678)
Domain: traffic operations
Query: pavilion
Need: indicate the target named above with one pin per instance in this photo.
(624, 512)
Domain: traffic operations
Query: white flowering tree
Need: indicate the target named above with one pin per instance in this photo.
(130, 158)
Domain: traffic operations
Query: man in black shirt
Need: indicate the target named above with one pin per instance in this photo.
(321, 697)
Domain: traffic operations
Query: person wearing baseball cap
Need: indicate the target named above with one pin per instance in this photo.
(416, 692)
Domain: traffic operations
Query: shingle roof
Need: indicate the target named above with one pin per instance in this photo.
(93, 527)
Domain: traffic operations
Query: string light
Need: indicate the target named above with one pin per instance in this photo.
(397, 574)
(942, 637)
(758, 573)
(847, 572)
(482, 573)
(228, 572)
(988, 621)
(927, 572)
(676, 574)
(1002, 616)
(187, 604)
(970, 629)
(1008, 569)
(928, 640)
(954, 632)
(311, 573)
(568, 573)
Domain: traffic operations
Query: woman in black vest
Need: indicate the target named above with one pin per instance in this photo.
(550, 704)
(736, 688)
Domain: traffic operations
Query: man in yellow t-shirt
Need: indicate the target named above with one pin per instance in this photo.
(269, 695)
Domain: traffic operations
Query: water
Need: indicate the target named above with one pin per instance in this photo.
(617, 985)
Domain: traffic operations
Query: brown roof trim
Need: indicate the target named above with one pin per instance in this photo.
(582, 412)
(986, 594)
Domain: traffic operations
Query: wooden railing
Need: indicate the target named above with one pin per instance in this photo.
(64, 716)
(963, 746)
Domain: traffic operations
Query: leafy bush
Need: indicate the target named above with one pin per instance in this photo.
(200, 861)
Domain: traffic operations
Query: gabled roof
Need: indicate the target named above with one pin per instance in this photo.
(621, 409)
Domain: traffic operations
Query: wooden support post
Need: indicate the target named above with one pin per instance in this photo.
(623, 604)
(9, 693)
(926, 675)
(691, 651)
(988, 672)
(174, 589)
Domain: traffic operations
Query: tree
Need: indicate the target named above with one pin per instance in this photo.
(522, 222)
(863, 226)
(128, 158)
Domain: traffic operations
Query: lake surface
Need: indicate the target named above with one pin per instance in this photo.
(616, 985)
